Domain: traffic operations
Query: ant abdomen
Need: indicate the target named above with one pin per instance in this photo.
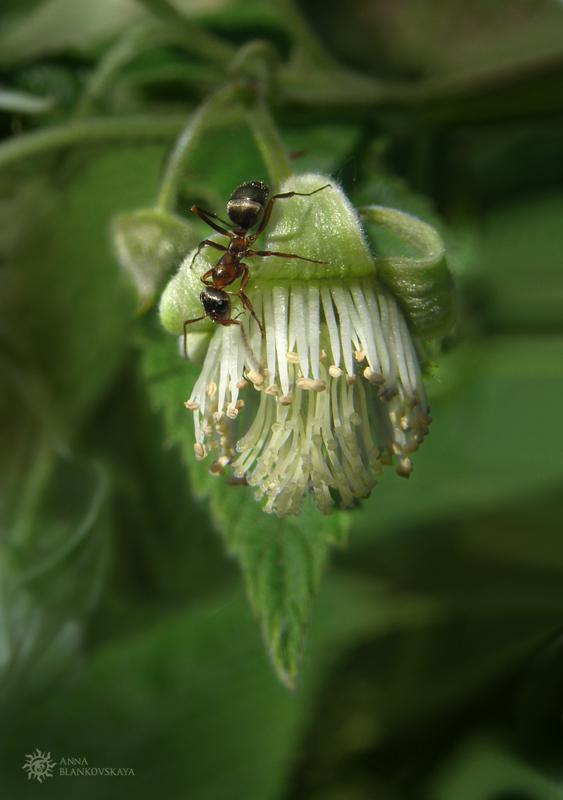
(246, 204)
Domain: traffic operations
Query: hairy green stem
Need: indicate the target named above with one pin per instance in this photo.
(268, 140)
(256, 65)
(142, 127)
(211, 47)
(302, 33)
(204, 117)
(37, 478)
(135, 42)
(257, 62)
(78, 535)
(17, 102)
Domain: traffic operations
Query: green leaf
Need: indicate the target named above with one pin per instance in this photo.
(12, 11)
(166, 553)
(150, 243)
(55, 25)
(487, 442)
(200, 709)
(481, 768)
(282, 562)
(492, 623)
(65, 305)
(520, 264)
(65, 313)
(282, 559)
(17, 102)
(52, 568)
(190, 703)
(402, 39)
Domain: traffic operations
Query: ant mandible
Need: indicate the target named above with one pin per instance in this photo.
(245, 205)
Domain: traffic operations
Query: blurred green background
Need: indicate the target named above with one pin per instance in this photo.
(434, 660)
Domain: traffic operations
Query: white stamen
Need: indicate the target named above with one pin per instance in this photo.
(307, 427)
(389, 339)
(331, 325)
(280, 300)
(367, 336)
(339, 297)
(255, 339)
(399, 350)
(376, 328)
(225, 363)
(270, 334)
(298, 316)
(314, 327)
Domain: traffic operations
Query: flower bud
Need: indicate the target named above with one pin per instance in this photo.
(323, 227)
(149, 244)
(180, 299)
(318, 352)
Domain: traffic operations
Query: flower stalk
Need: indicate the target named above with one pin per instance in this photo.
(201, 121)
(135, 42)
(268, 141)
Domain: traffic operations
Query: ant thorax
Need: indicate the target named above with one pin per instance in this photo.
(238, 244)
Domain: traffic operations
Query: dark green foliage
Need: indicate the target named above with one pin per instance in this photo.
(420, 631)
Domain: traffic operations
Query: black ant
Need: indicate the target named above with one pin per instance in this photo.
(245, 205)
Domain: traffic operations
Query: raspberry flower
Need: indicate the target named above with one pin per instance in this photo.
(332, 392)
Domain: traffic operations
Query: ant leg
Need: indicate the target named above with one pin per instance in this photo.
(248, 304)
(206, 217)
(188, 322)
(241, 295)
(300, 194)
(244, 298)
(245, 276)
(228, 321)
(207, 275)
(284, 255)
(272, 200)
(208, 242)
(255, 365)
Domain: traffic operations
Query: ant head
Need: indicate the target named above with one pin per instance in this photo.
(247, 203)
(216, 303)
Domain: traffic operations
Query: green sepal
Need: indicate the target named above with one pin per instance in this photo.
(324, 227)
(180, 299)
(422, 282)
(150, 243)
